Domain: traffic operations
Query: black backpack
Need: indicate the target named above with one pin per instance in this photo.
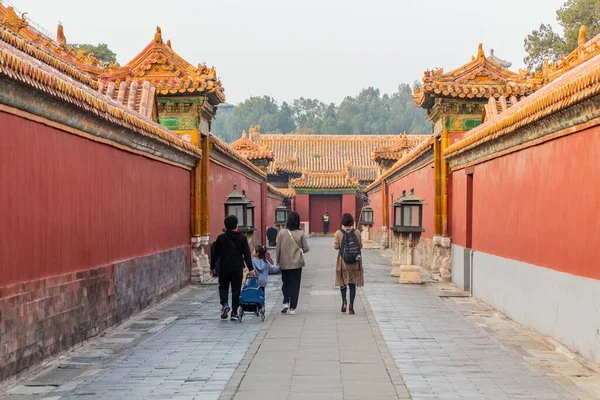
(350, 249)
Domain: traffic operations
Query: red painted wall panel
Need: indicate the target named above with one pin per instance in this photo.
(377, 212)
(69, 204)
(272, 204)
(458, 208)
(221, 183)
(349, 205)
(422, 181)
(303, 207)
(319, 203)
(541, 205)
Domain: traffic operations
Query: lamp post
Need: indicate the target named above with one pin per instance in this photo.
(366, 220)
(407, 228)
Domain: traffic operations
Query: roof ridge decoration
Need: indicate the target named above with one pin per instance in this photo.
(83, 66)
(230, 151)
(168, 72)
(481, 78)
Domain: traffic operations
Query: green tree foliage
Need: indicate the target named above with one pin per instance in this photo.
(101, 51)
(545, 43)
(369, 112)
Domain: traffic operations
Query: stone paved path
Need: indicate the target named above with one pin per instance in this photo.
(419, 342)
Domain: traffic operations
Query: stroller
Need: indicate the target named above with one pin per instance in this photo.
(252, 299)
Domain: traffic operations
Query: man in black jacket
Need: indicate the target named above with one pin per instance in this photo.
(232, 251)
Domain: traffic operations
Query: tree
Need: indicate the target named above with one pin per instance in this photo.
(544, 43)
(101, 51)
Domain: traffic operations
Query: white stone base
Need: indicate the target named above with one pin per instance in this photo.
(200, 262)
(396, 269)
(368, 244)
(410, 274)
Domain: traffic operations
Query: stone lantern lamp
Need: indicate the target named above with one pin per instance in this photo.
(407, 228)
(281, 215)
(249, 223)
(237, 204)
(366, 220)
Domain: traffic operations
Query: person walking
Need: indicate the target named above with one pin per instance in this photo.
(349, 270)
(290, 249)
(232, 251)
(325, 223)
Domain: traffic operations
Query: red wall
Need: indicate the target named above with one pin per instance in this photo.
(458, 208)
(272, 203)
(377, 213)
(422, 180)
(69, 204)
(349, 205)
(319, 203)
(541, 205)
(221, 184)
(303, 207)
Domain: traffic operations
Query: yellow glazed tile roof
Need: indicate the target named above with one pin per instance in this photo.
(326, 180)
(168, 72)
(17, 32)
(577, 84)
(400, 148)
(285, 193)
(481, 78)
(231, 152)
(251, 150)
(413, 155)
(138, 97)
(18, 65)
(321, 153)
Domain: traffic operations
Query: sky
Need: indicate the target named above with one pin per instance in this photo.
(324, 49)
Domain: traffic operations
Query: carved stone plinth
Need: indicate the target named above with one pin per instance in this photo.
(200, 261)
(397, 252)
(366, 237)
(442, 257)
(410, 274)
(384, 237)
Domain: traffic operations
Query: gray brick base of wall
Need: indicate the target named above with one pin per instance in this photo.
(43, 317)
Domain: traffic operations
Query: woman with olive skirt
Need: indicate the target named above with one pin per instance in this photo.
(347, 275)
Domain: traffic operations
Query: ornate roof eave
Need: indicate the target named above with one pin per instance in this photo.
(580, 83)
(250, 150)
(169, 72)
(285, 193)
(326, 180)
(481, 78)
(229, 152)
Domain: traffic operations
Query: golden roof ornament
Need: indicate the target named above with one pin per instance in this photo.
(158, 35)
(582, 36)
(480, 52)
(13, 21)
(169, 43)
(60, 36)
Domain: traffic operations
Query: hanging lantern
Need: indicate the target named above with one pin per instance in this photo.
(249, 223)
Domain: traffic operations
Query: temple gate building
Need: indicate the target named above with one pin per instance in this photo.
(324, 173)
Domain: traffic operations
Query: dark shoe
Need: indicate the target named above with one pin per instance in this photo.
(344, 306)
(285, 307)
(234, 317)
(351, 310)
(225, 311)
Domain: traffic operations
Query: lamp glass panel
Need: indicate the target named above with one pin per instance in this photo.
(250, 217)
(411, 215)
(367, 216)
(238, 211)
(280, 217)
(397, 216)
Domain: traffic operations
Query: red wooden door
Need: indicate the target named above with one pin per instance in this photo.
(319, 203)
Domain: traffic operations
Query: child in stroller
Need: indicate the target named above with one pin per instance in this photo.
(252, 297)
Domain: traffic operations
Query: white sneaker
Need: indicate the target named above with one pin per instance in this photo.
(284, 308)
(292, 311)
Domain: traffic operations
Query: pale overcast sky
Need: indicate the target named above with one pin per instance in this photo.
(325, 49)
